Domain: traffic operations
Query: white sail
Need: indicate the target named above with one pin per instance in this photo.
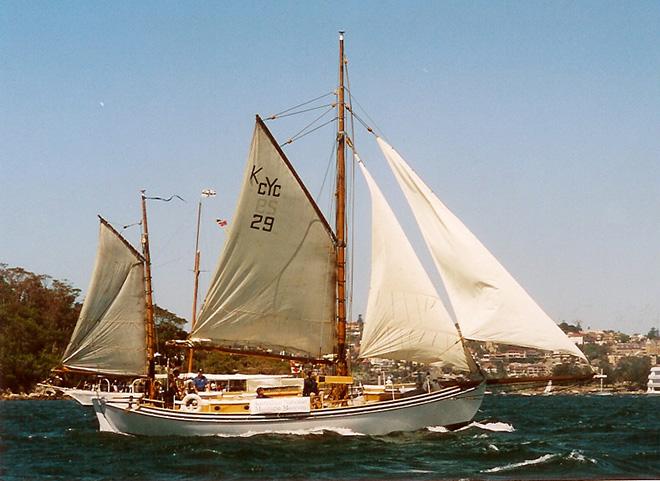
(110, 334)
(488, 302)
(405, 317)
(274, 286)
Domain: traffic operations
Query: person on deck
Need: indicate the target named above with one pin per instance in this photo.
(172, 390)
(310, 385)
(200, 381)
(261, 393)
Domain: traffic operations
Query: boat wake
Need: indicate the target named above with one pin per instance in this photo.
(496, 427)
(318, 431)
(573, 456)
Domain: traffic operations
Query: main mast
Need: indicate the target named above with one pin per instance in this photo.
(149, 318)
(340, 221)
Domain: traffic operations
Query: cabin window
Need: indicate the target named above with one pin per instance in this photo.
(237, 385)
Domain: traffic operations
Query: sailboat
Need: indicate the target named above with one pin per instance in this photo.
(548, 388)
(112, 337)
(279, 290)
(601, 377)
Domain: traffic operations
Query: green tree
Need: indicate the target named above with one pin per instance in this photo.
(621, 337)
(566, 327)
(569, 369)
(608, 370)
(653, 333)
(595, 352)
(633, 370)
(223, 363)
(37, 317)
(169, 327)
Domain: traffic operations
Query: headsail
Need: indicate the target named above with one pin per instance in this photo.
(110, 334)
(488, 302)
(405, 317)
(274, 286)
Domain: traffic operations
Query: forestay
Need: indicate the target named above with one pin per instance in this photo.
(488, 302)
(274, 286)
(405, 318)
(110, 334)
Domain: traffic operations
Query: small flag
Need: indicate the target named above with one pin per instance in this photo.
(296, 367)
(221, 222)
(208, 193)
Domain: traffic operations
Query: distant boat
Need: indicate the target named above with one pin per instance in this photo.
(653, 386)
(602, 377)
(280, 290)
(548, 388)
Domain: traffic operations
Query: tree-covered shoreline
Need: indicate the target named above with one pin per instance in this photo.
(38, 315)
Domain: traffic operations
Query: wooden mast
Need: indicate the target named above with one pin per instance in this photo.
(149, 318)
(193, 321)
(340, 225)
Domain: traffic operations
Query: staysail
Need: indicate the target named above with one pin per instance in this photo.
(274, 286)
(488, 302)
(109, 336)
(405, 318)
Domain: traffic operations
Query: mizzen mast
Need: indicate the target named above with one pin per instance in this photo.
(191, 351)
(149, 316)
(340, 221)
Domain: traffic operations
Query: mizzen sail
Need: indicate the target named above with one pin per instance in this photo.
(405, 318)
(274, 286)
(110, 334)
(488, 302)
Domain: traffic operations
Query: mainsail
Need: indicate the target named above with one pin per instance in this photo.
(110, 334)
(488, 302)
(274, 286)
(405, 318)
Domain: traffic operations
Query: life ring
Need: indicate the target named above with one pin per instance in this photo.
(192, 403)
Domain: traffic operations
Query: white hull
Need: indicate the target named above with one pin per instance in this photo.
(448, 407)
(85, 396)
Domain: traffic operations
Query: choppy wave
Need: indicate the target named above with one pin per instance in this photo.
(580, 458)
(573, 456)
(508, 440)
(496, 427)
(530, 462)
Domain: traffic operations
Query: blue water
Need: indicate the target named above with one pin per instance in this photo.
(513, 437)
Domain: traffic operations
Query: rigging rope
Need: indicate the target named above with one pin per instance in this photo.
(331, 105)
(305, 132)
(131, 225)
(280, 114)
(364, 124)
(351, 253)
(327, 171)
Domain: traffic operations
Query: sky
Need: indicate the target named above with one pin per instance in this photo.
(537, 123)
